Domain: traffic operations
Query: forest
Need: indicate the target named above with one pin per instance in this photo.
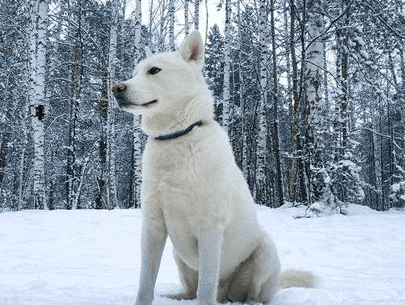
(311, 92)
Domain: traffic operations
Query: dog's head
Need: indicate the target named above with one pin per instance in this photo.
(164, 82)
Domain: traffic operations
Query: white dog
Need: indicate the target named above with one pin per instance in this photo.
(193, 190)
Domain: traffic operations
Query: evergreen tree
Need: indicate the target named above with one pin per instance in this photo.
(214, 68)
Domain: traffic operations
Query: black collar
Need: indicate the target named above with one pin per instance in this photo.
(180, 133)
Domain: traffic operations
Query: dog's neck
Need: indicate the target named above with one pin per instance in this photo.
(177, 121)
(179, 133)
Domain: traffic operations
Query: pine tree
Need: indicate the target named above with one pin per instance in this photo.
(214, 67)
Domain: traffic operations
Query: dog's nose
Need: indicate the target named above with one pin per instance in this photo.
(118, 89)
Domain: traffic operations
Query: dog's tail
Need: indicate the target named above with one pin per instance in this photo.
(297, 278)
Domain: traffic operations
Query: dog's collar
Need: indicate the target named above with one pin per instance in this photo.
(180, 133)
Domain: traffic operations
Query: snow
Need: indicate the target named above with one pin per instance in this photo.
(92, 257)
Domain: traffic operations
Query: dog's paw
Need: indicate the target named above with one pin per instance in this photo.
(181, 296)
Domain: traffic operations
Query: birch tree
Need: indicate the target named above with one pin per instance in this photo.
(260, 190)
(196, 14)
(227, 68)
(171, 25)
(313, 95)
(241, 91)
(112, 63)
(37, 51)
(137, 141)
(186, 22)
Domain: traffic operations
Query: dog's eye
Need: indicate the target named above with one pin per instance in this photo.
(154, 70)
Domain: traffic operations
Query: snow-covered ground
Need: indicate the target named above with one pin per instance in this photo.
(93, 257)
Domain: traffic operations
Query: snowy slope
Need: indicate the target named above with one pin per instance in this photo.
(92, 257)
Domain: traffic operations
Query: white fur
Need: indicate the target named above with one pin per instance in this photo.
(194, 192)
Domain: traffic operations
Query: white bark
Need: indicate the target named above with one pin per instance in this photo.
(260, 185)
(137, 162)
(37, 96)
(138, 49)
(377, 163)
(196, 14)
(151, 14)
(22, 158)
(137, 156)
(313, 84)
(186, 26)
(241, 95)
(171, 25)
(75, 203)
(112, 62)
(227, 67)
(287, 57)
(315, 58)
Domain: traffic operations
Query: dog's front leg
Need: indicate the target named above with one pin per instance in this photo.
(152, 245)
(209, 247)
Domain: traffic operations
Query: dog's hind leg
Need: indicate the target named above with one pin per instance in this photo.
(268, 263)
(188, 278)
(258, 277)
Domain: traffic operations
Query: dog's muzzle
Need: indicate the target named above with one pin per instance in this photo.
(120, 92)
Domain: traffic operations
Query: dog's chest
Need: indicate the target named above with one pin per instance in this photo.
(187, 181)
(175, 170)
(169, 162)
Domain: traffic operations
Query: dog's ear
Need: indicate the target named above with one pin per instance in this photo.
(192, 49)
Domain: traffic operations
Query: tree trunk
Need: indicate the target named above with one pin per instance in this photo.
(260, 189)
(196, 14)
(278, 188)
(112, 62)
(103, 201)
(296, 172)
(343, 67)
(37, 93)
(22, 158)
(186, 25)
(171, 25)
(5, 134)
(241, 95)
(137, 141)
(151, 10)
(227, 67)
(313, 96)
(76, 85)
